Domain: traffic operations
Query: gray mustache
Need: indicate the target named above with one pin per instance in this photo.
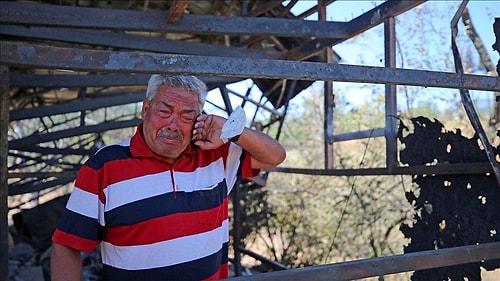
(170, 134)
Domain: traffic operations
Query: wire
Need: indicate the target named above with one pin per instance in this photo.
(347, 201)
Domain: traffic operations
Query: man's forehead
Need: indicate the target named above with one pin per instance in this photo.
(172, 93)
(172, 98)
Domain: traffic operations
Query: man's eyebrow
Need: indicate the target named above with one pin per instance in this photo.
(166, 103)
(190, 111)
(171, 106)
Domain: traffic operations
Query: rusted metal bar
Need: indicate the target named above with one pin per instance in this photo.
(49, 57)
(276, 265)
(372, 133)
(38, 185)
(4, 187)
(439, 169)
(314, 9)
(391, 119)
(328, 99)
(22, 80)
(264, 8)
(176, 10)
(380, 266)
(225, 98)
(43, 175)
(288, 7)
(356, 26)
(256, 103)
(134, 42)
(236, 197)
(41, 138)
(379, 14)
(68, 16)
(281, 118)
(54, 150)
(75, 106)
(237, 225)
(466, 99)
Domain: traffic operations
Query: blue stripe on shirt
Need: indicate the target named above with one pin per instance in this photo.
(79, 225)
(194, 270)
(166, 204)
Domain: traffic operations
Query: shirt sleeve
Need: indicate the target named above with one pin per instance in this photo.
(246, 167)
(79, 226)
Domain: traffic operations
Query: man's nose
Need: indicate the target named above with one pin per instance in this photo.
(173, 122)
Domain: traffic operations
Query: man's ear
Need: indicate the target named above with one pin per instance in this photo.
(145, 107)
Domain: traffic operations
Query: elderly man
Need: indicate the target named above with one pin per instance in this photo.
(157, 204)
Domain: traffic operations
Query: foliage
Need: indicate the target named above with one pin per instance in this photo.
(302, 220)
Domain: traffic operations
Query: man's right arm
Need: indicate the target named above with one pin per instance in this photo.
(65, 263)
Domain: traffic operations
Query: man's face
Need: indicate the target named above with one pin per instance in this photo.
(168, 121)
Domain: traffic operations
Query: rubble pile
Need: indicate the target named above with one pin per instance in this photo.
(30, 244)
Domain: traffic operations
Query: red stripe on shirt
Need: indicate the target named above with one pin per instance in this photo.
(168, 227)
(74, 241)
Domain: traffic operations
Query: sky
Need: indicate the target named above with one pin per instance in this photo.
(435, 37)
(367, 48)
(482, 14)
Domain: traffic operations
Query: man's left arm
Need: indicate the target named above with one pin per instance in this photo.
(266, 152)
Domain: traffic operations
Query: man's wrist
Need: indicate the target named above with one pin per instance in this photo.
(235, 138)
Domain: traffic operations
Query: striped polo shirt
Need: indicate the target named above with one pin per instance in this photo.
(154, 220)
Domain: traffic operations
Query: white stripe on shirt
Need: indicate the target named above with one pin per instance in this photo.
(165, 253)
(83, 203)
(147, 186)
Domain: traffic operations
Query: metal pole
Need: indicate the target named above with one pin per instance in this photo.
(371, 267)
(328, 98)
(236, 196)
(466, 99)
(4, 188)
(390, 96)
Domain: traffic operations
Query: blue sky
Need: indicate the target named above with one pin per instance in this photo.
(482, 15)
(424, 42)
(367, 48)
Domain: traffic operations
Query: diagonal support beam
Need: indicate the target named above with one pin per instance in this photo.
(75, 106)
(466, 99)
(356, 26)
(176, 10)
(92, 129)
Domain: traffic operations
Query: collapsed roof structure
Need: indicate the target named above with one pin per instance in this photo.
(75, 57)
